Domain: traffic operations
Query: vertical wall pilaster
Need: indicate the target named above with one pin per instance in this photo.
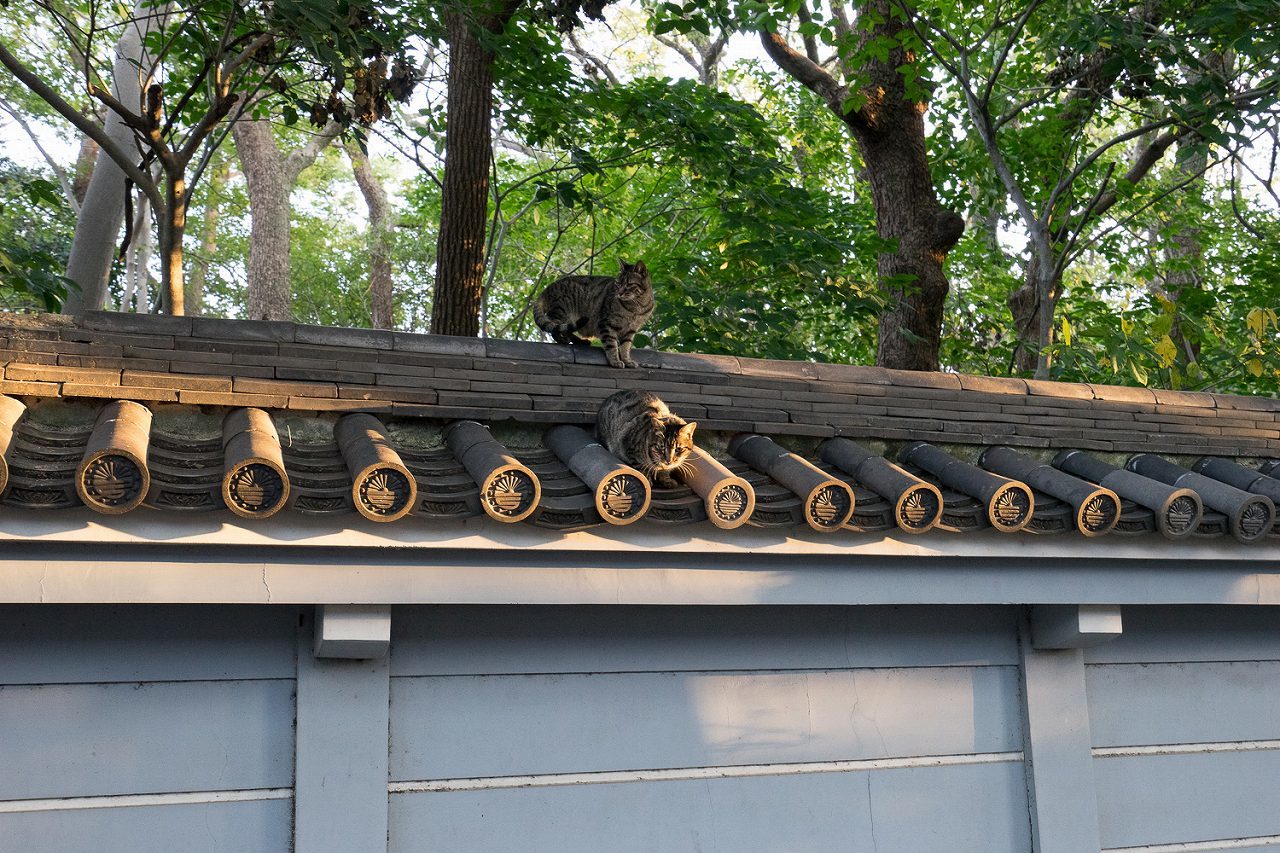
(1061, 793)
(340, 800)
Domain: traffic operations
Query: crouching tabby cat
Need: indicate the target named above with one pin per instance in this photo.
(612, 309)
(640, 430)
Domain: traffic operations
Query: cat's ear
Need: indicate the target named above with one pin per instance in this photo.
(641, 268)
(686, 431)
(625, 266)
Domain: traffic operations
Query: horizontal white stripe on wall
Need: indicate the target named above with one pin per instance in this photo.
(679, 773)
(1186, 749)
(1202, 846)
(130, 800)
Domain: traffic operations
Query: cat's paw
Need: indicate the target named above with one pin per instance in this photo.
(663, 480)
(629, 363)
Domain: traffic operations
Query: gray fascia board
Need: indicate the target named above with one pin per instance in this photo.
(94, 573)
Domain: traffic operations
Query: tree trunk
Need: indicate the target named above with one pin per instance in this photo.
(380, 225)
(455, 308)
(1185, 256)
(93, 247)
(199, 278)
(269, 292)
(908, 213)
(1033, 305)
(136, 295)
(889, 130)
(269, 176)
(172, 289)
(85, 161)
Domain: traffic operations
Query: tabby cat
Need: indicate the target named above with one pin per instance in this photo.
(640, 430)
(612, 309)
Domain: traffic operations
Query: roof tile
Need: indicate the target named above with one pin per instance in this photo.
(340, 337)
(1184, 398)
(242, 330)
(1123, 394)
(115, 321)
(1070, 390)
(527, 350)
(438, 344)
(993, 384)
(119, 392)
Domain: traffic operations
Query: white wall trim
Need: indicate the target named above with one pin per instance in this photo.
(58, 804)
(1186, 748)
(683, 773)
(1201, 846)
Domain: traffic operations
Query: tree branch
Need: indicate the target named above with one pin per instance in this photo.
(300, 158)
(39, 88)
(68, 191)
(594, 61)
(812, 76)
(684, 52)
(810, 43)
(229, 70)
(1007, 48)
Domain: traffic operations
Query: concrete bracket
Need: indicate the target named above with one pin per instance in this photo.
(353, 631)
(1074, 626)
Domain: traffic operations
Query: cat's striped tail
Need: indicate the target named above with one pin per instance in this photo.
(561, 329)
(556, 330)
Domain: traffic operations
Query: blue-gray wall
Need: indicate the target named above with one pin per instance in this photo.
(600, 728)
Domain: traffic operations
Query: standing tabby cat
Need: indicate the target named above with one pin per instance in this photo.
(640, 430)
(612, 309)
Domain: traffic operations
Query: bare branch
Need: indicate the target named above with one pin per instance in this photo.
(1236, 212)
(1014, 32)
(59, 173)
(711, 56)
(89, 128)
(300, 158)
(1186, 181)
(684, 52)
(811, 75)
(229, 70)
(594, 61)
(1093, 209)
(810, 43)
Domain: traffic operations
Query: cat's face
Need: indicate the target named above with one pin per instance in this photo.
(671, 444)
(633, 280)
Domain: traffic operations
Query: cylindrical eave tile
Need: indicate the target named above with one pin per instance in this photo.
(1177, 511)
(509, 490)
(1097, 509)
(728, 498)
(622, 493)
(11, 411)
(1242, 478)
(382, 488)
(917, 505)
(1010, 503)
(1250, 516)
(112, 477)
(254, 481)
(827, 502)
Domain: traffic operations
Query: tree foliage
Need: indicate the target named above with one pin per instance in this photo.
(746, 194)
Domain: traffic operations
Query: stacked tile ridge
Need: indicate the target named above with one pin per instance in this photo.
(286, 366)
